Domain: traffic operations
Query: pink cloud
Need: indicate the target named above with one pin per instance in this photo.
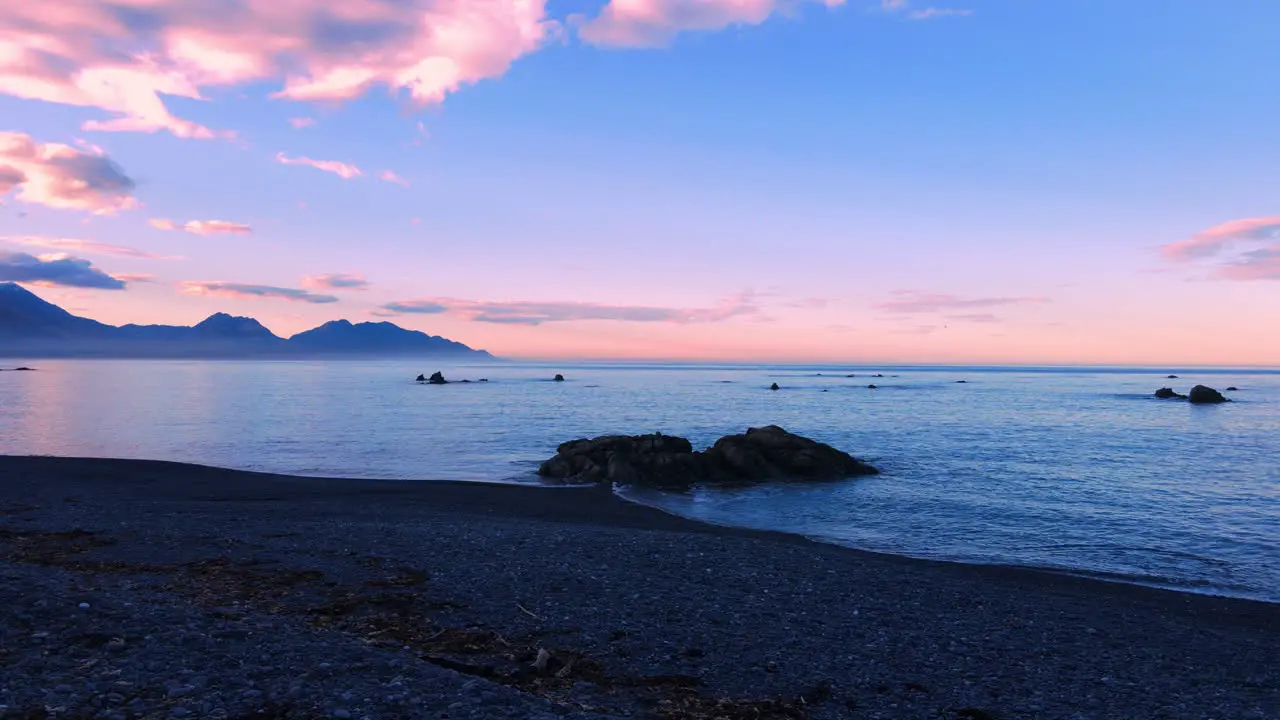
(335, 281)
(202, 227)
(121, 56)
(134, 277)
(245, 290)
(1261, 264)
(520, 312)
(655, 23)
(911, 301)
(75, 245)
(61, 176)
(1217, 238)
(391, 177)
(932, 13)
(302, 122)
(341, 169)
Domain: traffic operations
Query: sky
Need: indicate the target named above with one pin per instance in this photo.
(923, 181)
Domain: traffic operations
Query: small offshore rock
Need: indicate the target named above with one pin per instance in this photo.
(1203, 395)
(1168, 394)
(421, 378)
(774, 387)
(559, 378)
(1233, 388)
(437, 378)
(1171, 377)
(872, 387)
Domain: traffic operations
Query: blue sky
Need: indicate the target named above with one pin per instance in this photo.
(776, 188)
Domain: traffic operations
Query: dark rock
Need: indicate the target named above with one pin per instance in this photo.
(1233, 388)
(19, 369)
(878, 375)
(774, 387)
(670, 463)
(422, 378)
(1169, 394)
(484, 380)
(962, 382)
(872, 387)
(437, 378)
(1171, 377)
(1201, 395)
(559, 378)
(851, 376)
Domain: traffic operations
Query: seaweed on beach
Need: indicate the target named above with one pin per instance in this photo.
(394, 609)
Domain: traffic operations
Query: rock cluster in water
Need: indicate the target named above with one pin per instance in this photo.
(670, 463)
(1199, 395)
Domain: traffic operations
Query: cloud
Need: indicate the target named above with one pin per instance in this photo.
(1207, 243)
(60, 270)
(655, 23)
(975, 318)
(910, 301)
(134, 277)
(536, 313)
(414, 307)
(302, 122)
(341, 169)
(122, 56)
(61, 176)
(202, 227)
(83, 246)
(932, 13)
(1263, 264)
(242, 290)
(335, 281)
(391, 177)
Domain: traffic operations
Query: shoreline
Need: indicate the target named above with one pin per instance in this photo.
(691, 524)
(653, 607)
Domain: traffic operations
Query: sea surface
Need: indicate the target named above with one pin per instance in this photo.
(1073, 469)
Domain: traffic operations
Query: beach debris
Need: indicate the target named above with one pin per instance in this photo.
(1169, 394)
(437, 378)
(528, 612)
(1203, 395)
(670, 463)
(559, 378)
(542, 661)
(774, 387)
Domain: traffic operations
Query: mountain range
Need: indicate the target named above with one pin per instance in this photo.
(32, 327)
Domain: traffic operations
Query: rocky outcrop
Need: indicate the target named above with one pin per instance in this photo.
(558, 378)
(670, 463)
(1233, 388)
(1202, 395)
(1171, 377)
(437, 378)
(774, 387)
(1169, 394)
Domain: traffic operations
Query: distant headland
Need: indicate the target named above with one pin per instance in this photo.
(32, 327)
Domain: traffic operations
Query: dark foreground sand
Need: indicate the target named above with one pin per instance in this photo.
(138, 589)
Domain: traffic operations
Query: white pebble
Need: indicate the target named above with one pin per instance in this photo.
(84, 606)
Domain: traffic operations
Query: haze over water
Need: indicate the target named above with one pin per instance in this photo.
(1072, 469)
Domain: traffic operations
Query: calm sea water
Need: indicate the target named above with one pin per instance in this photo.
(1072, 469)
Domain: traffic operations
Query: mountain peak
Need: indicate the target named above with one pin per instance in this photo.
(233, 326)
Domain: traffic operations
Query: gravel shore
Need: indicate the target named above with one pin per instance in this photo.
(141, 589)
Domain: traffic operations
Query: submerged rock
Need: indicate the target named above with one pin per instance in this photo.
(774, 387)
(437, 378)
(670, 463)
(1202, 395)
(1233, 388)
(962, 382)
(1169, 394)
(1171, 377)
(559, 378)
(873, 387)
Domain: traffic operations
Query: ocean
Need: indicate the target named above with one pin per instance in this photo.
(1077, 470)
